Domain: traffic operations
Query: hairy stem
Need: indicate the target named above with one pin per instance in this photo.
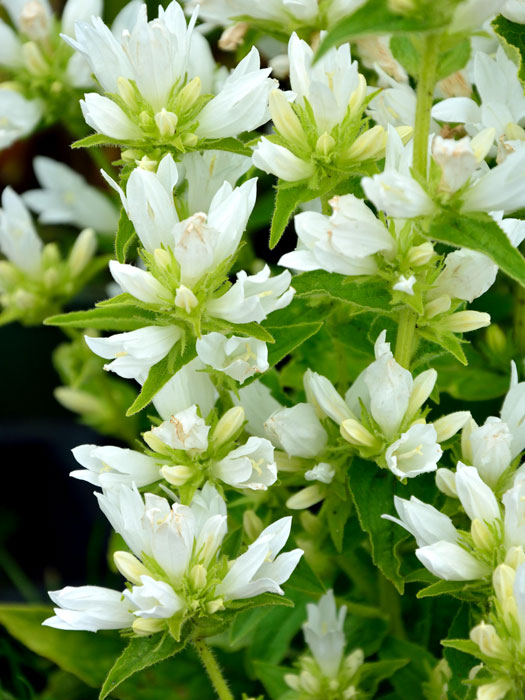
(213, 670)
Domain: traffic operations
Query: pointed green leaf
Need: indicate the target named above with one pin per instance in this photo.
(140, 653)
(459, 658)
(365, 293)
(272, 677)
(447, 340)
(95, 140)
(479, 232)
(464, 645)
(287, 339)
(512, 37)
(126, 318)
(230, 144)
(124, 237)
(464, 590)
(287, 199)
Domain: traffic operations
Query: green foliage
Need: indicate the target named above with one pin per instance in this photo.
(124, 238)
(104, 318)
(511, 36)
(360, 293)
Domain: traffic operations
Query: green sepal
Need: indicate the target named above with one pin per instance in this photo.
(287, 199)
(445, 339)
(125, 236)
(469, 591)
(95, 140)
(466, 646)
(230, 144)
(126, 318)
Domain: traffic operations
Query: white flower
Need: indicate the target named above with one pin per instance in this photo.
(90, 608)
(513, 413)
(185, 430)
(18, 116)
(206, 172)
(19, 241)
(297, 430)
(470, 14)
(423, 521)
(397, 194)
(253, 297)
(514, 10)
(139, 283)
(259, 569)
(106, 117)
(500, 188)
(405, 284)
(415, 452)
(467, 275)
(490, 445)
(275, 159)
(322, 395)
(514, 502)
(250, 466)
(66, 198)
(109, 466)
(449, 561)
(239, 358)
(135, 352)
(154, 599)
(322, 472)
(258, 404)
(190, 385)
(323, 632)
(476, 497)
(11, 55)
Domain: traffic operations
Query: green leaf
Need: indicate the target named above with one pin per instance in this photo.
(458, 589)
(409, 679)
(406, 53)
(124, 237)
(140, 653)
(453, 59)
(369, 294)
(459, 658)
(95, 140)
(84, 654)
(287, 339)
(287, 199)
(125, 318)
(372, 673)
(254, 330)
(464, 645)
(337, 508)
(272, 677)
(161, 373)
(230, 144)
(445, 339)
(376, 17)
(513, 40)
(479, 232)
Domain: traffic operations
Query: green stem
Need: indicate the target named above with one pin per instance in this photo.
(406, 336)
(213, 670)
(425, 95)
(390, 604)
(519, 319)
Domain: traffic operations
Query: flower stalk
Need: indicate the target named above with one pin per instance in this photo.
(213, 669)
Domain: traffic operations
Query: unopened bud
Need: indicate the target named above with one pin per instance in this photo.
(447, 426)
(401, 7)
(79, 401)
(482, 143)
(325, 144)
(130, 567)
(306, 497)
(420, 254)
(404, 133)
(131, 155)
(311, 523)
(288, 464)
(515, 557)
(496, 339)
(145, 120)
(353, 661)
(155, 443)
(82, 251)
(228, 426)
(185, 299)
(33, 59)
(198, 576)
(371, 144)
(166, 122)
(356, 434)
(292, 681)
(494, 691)
(190, 140)
(309, 683)
(466, 447)
(144, 626)
(177, 475)
(189, 94)
(8, 275)
(465, 321)
(214, 606)
(487, 639)
(50, 255)
(232, 37)
(162, 258)
(285, 119)
(446, 482)
(481, 535)
(23, 299)
(146, 163)
(503, 581)
(34, 20)
(127, 93)
(437, 306)
(252, 524)
(51, 277)
(356, 100)
(421, 390)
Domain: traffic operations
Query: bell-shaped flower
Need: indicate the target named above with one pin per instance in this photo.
(423, 521)
(466, 275)
(323, 632)
(66, 198)
(19, 241)
(415, 452)
(297, 430)
(451, 562)
(90, 608)
(135, 352)
(109, 466)
(476, 497)
(185, 430)
(258, 404)
(344, 242)
(153, 599)
(261, 568)
(250, 466)
(206, 172)
(191, 385)
(272, 158)
(253, 297)
(239, 358)
(514, 520)
(490, 449)
(322, 395)
(513, 413)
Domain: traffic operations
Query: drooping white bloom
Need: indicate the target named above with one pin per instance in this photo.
(323, 632)
(153, 599)
(449, 561)
(423, 521)
(344, 242)
(467, 275)
(90, 608)
(66, 198)
(190, 385)
(252, 298)
(18, 116)
(19, 241)
(110, 466)
(297, 430)
(259, 569)
(250, 466)
(239, 358)
(135, 352)
(185, 430)
(471, 14)
(415, 452)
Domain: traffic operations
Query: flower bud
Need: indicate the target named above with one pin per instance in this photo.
(145, 120)
(8, 275)
(446, 482)
(466, 447)
(33, 59)
(306, 497)
(130, 567)
(82, 251)
(131, 155)
(494, 691)
(252, 524)
(482, 142)
(420, 254)
(79, 401)
(51, 277)
(437, 306)
(465, 321)
(288, 464)
(515, 557)
(190, 140)
(404, 132)
(228, 426)
(144, 626)
(189, 94)
(503, 582)
(292, 681)
(447, 426)
(356, 100)
(356, 434)
(185, 299)
(23, 299)
(481, 535)
(311, 523)
(148, 164)
(50, 255)
(325, 144)
(155, 443)
(162, 258)
(214, 606)
(285, 119)
(177, 475)
(370, 144)
(487, 639)
(34, 20)
(496, 339)
(127, 93)
(421, 390)
(198, 576)
(232, 37)
(166, 122)
(353, 661)
(309, 682)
